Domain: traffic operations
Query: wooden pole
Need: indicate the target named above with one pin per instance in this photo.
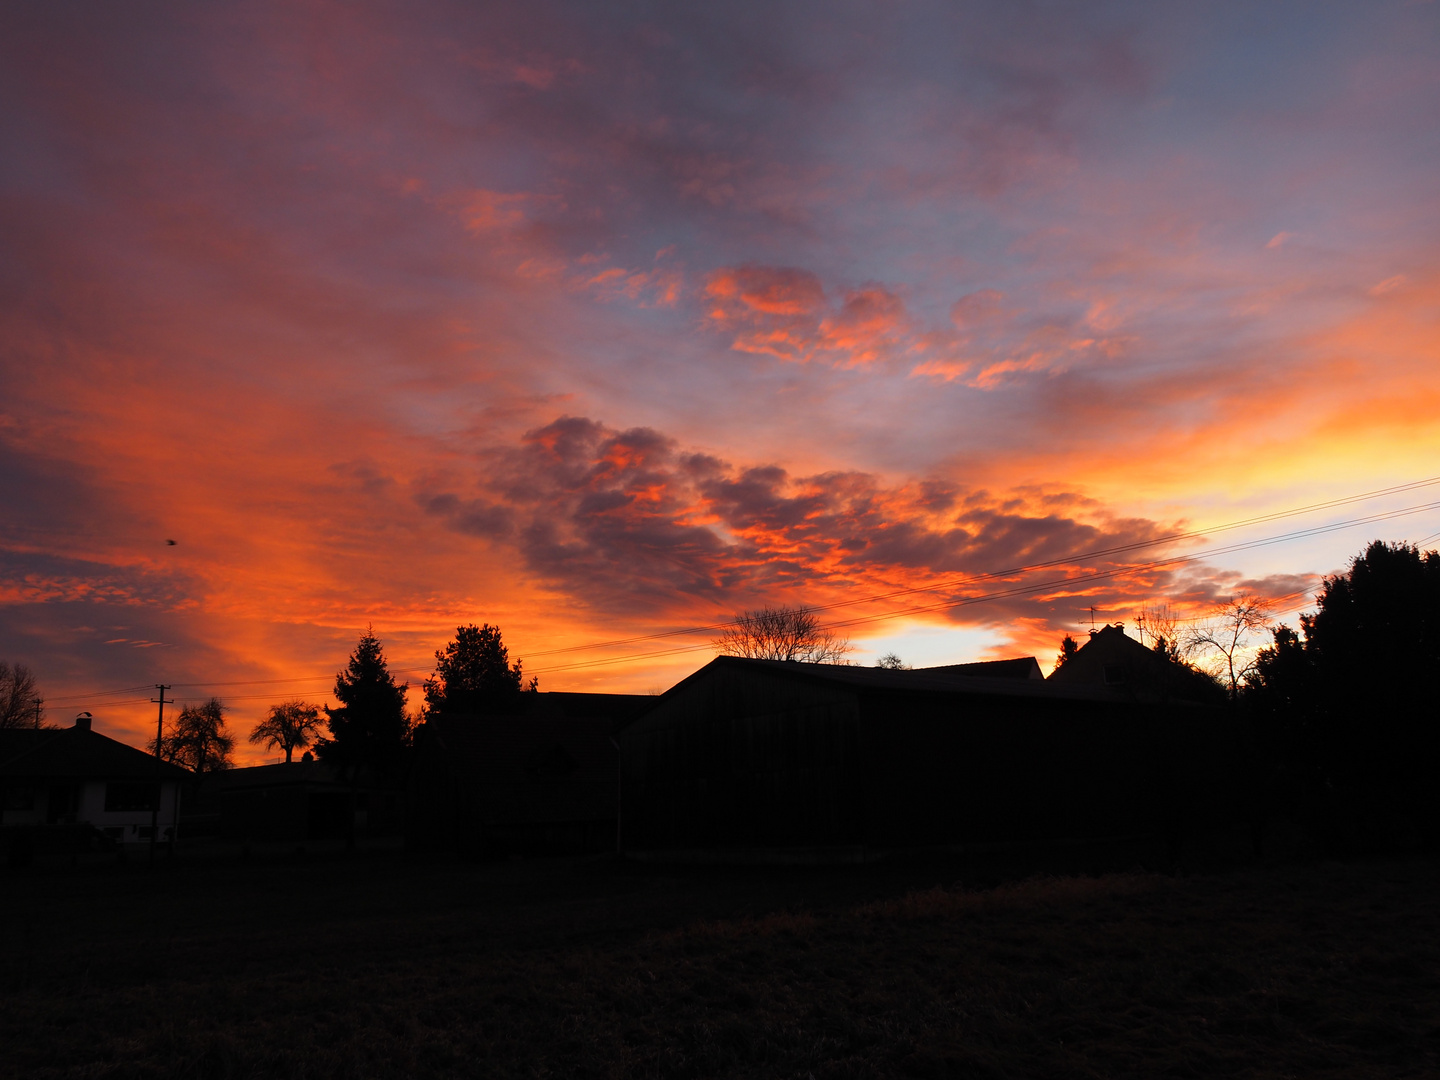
(159, 786)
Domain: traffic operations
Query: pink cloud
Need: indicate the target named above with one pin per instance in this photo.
(488, 211)
(785, 313)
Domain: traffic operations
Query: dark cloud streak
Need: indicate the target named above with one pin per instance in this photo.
(626, 522)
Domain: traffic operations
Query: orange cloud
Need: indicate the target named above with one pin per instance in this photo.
(629, 524)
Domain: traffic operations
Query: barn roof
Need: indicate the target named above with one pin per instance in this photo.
(617, 708)
(1016, 667)
(949, 679)
(277, 774)
(78, 753)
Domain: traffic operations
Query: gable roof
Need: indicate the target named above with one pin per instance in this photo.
(1113, 658)
(77, 753)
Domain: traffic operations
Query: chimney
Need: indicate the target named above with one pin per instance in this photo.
(82, 722)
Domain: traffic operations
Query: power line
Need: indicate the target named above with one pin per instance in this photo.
(109, 693)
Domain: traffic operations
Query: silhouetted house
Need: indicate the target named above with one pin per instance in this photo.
(75, 775)
(544, 779)
(1113, 659)
(767, 756)
(296, 801)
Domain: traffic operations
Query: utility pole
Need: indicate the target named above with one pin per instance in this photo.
(159, 786)
(38, 702)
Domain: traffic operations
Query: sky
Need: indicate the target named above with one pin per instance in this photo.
(598, 322)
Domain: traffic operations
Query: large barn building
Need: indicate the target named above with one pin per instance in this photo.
(770, 757)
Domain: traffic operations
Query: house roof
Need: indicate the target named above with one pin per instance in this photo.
(530, 768)
(1112, 658)
(78, 753)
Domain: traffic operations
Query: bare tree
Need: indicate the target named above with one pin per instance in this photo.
(292, 725)
(892, 662)
(20, 703)
(197, 738)
(782, 634)
(1161, 626)
(1225, 641)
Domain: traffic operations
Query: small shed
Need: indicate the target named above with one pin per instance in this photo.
(763, 755)
(544, 779)
(68, 776)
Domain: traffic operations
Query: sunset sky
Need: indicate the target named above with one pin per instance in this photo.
(596, 321)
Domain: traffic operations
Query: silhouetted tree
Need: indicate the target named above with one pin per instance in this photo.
(782, 634)
(891, 662)
(473, 674)
(369, 728)
(1161, 626)
(197, 739)
(1374, 644)
(292, 725)
(20, 703)
(1351, 708)
(1226, 637)
(1279, 697)
(1068, 648)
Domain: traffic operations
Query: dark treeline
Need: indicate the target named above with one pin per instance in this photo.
(1344, 710)
(368, 731)
(1341, 712)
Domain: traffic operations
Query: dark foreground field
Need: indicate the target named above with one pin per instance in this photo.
(320, 966)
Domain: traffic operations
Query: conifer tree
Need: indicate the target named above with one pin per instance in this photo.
(473, 674)
(1068, 648)
(369, 727)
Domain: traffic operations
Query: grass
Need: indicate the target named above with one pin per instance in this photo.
(324, 966)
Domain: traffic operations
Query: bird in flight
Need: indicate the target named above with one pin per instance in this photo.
(170, 542)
